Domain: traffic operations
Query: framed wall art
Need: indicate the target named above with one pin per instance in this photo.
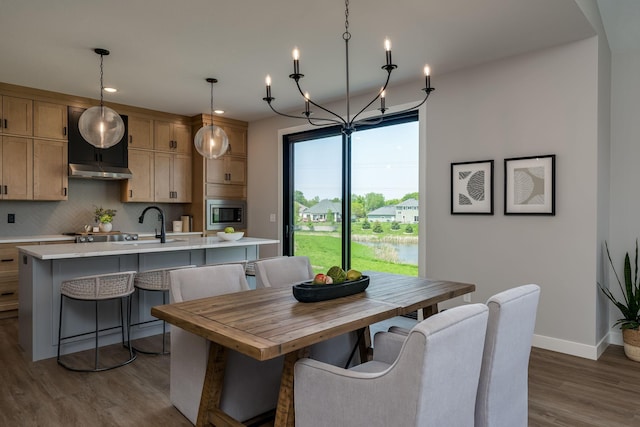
(472, 188)
(529, 185)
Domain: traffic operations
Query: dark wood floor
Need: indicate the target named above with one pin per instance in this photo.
(563, 391)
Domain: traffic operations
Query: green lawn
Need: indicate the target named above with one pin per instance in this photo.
(323, 249)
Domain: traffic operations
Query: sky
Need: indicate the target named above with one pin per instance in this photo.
(385, 161)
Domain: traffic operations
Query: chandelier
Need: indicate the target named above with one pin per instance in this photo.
(348, 123)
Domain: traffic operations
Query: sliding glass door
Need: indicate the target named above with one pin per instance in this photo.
(353, 202)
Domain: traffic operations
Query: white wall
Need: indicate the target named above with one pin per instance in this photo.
(625, 170)
(540, 103)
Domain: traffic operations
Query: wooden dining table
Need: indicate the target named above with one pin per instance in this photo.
(267, 323)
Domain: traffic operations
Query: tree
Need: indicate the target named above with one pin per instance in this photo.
(357, 209)
(409, 229)
(366, 225)
(411, 196)
(377, 228)
(298, 196)
(392, 202)
(373, 201)
(395, 225)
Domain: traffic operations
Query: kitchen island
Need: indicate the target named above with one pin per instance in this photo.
(42, 268)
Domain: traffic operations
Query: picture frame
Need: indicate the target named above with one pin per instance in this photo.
(472, 188)
(529, 185)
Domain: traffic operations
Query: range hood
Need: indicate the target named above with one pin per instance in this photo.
(94, 171)
(87, 161)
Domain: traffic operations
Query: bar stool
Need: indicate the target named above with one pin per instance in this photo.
(96, 288)
(157, 280)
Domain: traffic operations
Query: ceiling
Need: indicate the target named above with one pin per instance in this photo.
(162, 51)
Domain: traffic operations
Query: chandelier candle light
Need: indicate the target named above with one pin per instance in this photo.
(211, 141)
(101, 126)
(347, 123)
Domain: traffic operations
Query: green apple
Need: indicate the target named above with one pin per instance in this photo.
(229, 230)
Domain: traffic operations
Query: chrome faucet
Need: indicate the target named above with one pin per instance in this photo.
(163, 231)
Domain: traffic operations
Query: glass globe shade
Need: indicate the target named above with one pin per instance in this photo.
(101, 127)
(211, 142)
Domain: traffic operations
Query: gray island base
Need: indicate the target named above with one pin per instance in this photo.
(42, 269)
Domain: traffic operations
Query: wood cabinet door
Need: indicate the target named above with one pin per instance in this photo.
(216, 171)
(50, 175)
(236, 170)
(182, 178)
(17, 116)
(139, 188)
(140, 133)
(182, 138)
(162, 172)
(162, 138)
(17, 168)
(49, 120)
(237, 140)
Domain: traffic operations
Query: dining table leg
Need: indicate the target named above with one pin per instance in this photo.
(429, 311)
(285, 416)
(209, 411)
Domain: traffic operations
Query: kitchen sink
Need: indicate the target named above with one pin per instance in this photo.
(143, 242)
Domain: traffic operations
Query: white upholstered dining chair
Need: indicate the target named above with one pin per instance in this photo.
(432, 382)
(286, 271)
(250, 387)
(503, 389)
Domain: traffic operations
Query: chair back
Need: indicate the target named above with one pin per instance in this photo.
(99, 286)
(282, 271)
(201, 282)
(250, 387)
(503, 389)
(432, 382)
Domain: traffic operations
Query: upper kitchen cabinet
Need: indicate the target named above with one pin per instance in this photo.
(237, 140)
(172, 177)
(140, 188)
(16, 168)
(17, 116)
(49, 120)
(50, 177)
(172, 136)
(140, 133)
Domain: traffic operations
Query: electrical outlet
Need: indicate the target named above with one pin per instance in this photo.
(11, 218)
(466, 298)
(272, 217)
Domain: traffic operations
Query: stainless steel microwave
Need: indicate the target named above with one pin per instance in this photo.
(226, 213)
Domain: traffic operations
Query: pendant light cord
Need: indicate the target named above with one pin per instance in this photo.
(101, 76)
(211, 116)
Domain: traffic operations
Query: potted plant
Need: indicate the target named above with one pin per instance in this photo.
(104, 218)
(630, 307)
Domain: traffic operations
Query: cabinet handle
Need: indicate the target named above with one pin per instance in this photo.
(64, 191)
(64, 131)
(6, 190)
(6, 126)
(5, 294)
(130, 139)
(7, 260)
(130, 193)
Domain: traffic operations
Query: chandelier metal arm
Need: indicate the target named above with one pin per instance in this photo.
(427, 92)
(338, 119)
(386, 83)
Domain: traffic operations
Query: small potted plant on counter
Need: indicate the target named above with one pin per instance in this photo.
(630, 307)
(104, 218)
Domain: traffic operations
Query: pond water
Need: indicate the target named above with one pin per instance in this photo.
(407, 253)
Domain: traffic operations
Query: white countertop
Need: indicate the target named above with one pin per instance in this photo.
(65, 238)
(80, 250)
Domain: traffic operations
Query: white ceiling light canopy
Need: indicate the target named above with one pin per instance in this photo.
(211, 141)
(101, 126)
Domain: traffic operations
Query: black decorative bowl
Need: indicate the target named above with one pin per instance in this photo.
(308, 292)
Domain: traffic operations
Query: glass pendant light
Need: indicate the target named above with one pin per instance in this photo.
(211, 141)
(101, 126)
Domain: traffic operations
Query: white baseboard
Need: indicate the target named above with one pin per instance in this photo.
(592, 352)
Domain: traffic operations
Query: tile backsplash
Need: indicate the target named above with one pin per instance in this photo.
(40, 218)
